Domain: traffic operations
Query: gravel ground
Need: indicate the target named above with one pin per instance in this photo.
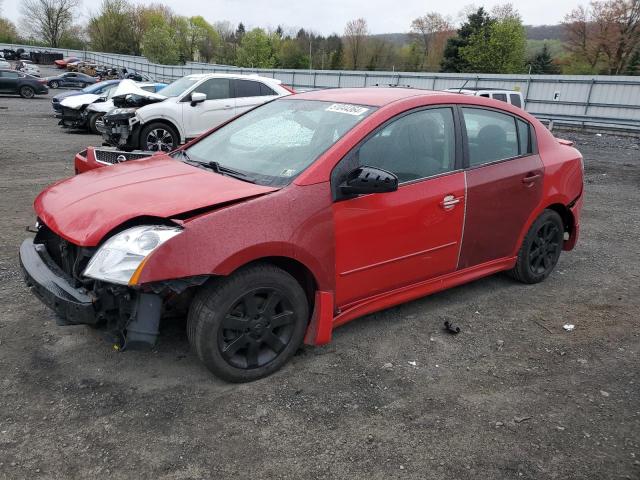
(393, 396)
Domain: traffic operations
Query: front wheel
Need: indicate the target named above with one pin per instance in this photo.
(159, 137)
(93, 119)
(540, 249)
(54, 84)
(27, 92)
(247, 326)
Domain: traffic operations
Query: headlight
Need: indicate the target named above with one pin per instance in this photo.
(118, 258)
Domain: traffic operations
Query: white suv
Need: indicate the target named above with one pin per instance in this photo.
(194, 104)
(509, 96)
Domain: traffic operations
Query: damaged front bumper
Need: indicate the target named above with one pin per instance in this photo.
(131, 317)
(119, 129)
(52, 286)
(72, 118)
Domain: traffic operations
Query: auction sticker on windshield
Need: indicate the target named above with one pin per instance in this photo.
(347, 108)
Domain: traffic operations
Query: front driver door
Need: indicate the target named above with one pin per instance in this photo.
(217, 108)
(390, 240)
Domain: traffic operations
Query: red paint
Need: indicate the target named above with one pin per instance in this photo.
(363, 254)
(84, 208)
(321, 324)
(501, 196)
(403, 237)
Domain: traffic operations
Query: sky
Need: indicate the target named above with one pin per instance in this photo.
(330, 16)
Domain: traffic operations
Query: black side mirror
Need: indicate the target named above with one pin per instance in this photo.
(366, 179)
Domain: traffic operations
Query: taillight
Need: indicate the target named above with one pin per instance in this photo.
(288, 88)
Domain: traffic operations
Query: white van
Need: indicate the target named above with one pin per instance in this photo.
(509, 96)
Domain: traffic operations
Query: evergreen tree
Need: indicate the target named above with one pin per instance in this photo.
(542, 62)
(477, 23)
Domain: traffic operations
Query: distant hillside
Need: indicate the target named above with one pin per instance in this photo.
(545, 32)
(534, 32)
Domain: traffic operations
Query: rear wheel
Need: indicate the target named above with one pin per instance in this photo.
(540, 249)
(247, 326)
(27, 92)
(54, 84)
(159, 137)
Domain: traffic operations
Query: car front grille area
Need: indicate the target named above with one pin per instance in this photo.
(112, 157)
(70, 258)
(71, 114)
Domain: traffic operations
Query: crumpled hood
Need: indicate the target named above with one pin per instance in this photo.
(84, 208)
(129, 94)
(77, 101)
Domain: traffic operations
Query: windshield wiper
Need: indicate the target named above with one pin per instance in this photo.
(215, 166)
(222, 170)
(183, 154)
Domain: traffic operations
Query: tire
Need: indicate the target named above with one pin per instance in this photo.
(91, 124)
(27, 92)
(159, 137)
(540, 250)
(231, 323)
(54, 84)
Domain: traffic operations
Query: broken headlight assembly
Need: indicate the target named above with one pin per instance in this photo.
(117, 260)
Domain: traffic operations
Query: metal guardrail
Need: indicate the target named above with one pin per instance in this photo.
(601, 101)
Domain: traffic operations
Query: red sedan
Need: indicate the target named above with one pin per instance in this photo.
(65, 61)
(303, 214)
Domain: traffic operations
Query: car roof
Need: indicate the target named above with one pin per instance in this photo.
(473, 89)
(233, 75)
(373, 96)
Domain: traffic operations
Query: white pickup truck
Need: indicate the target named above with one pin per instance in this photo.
(194, 104)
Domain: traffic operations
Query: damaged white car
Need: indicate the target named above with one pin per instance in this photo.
(85, 111)
(195, 104)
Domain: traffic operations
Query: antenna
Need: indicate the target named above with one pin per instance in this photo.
(464, 85)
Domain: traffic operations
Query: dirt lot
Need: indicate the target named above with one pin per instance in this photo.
(512, 396)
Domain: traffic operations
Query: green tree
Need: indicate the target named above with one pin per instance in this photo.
(542, 62)
(256, 50)
(497, 48)
(477, 22)
(291, 55)
(159, 45)
(111, 29)
(8, 32)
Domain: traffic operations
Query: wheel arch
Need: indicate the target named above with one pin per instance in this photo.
(298, 270)
(568, 221)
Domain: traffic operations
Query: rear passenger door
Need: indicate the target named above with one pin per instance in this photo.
(216, 109)
(504, 176)
(249, 93)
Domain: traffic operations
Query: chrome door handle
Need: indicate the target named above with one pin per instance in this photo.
(449, 202)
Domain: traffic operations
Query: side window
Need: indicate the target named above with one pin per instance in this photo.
(515, 100)
(214, 88)
(500, 96)
(485, 95)
(492, 136)
(524, 137)
(417, 145)
(10, 74)
(266, 91)
(247, 88)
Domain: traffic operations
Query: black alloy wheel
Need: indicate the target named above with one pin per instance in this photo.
(248, 325)
(541, 249)
(27, 92)
(545, 248)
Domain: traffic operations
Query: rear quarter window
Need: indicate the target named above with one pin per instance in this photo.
(515, 100)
